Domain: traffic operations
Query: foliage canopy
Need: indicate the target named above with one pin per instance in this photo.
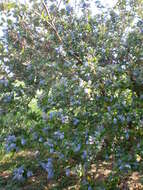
(72, 87)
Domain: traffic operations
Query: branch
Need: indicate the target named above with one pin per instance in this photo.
(52, 27)
(77, 58)
(59, 4)
(46, 8)
(51, 24)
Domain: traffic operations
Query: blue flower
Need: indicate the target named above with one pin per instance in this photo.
(34, 136)
(18, 174)
(44, 116)
(50, 160)
(47, 165)
(51, 115)
(77, 148)
(13, 145)
(23, 141)
(75, 121)
(29, 173)
(115, 121)
(121, 117)
(29, 67)
(127, 166)
(46, 129)
(41, 82)
(40, 139)
(50, 173)
(30, 77)
(85, 5)
(20, 169)
(89, 188)
(49, 168)
(67, 172)
(84, 155)
(11, 138)
(49, 143)
(64, 119)
(10, 146)
(61, 156)
(109, 108)
(59, 135)
(69, 9)
(4, 82)
(18, 177)
(127, 135)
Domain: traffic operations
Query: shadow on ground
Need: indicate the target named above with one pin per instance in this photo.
(98, 176)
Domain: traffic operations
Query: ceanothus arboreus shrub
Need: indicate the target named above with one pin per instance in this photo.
(84, 73)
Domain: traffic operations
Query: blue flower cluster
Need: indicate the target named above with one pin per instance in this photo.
(8, 98)
(75, 121)
(21, 174)
(48, 167)
(65, 119)
(10, 144)
(4, 82)
(59, 135)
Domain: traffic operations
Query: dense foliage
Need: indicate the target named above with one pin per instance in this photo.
(71, 88)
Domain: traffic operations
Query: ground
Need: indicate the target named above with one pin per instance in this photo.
(99, 175)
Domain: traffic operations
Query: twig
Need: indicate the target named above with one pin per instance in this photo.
(59, 4)
(53, 27)
(46, 8)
